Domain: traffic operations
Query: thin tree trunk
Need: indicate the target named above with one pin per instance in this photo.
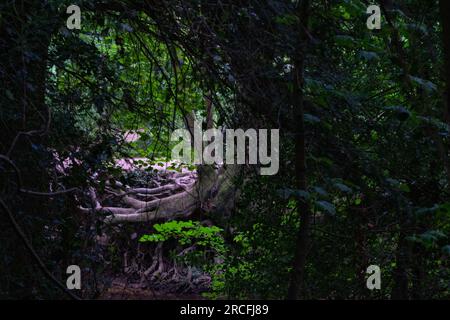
(298, 273)
(444, 6)
(400, 289)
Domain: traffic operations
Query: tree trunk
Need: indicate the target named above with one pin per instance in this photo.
(444, 6)
(26, 28)
(400, 276)
(298, 272)
(400, 289)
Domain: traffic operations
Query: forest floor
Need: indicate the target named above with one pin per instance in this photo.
(120, 289)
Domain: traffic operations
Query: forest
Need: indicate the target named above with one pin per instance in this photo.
(217, 150)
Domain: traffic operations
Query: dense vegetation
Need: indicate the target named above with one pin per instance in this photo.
(364, 119)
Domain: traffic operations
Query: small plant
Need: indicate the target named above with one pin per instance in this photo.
(203, 246)
(187, 233)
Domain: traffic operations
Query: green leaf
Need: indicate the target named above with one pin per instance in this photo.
(404, 187)
(417, 28)
(446, 249)
(423, 211)
(126, 27)
(9, 95)
(374, 135)
(401, 112)
(311, 119)
(368, 55)
(345, 41)
(287, 193)
(327, 207)
(287, 19)
(320, 191)
(425, 84)
(343, 188)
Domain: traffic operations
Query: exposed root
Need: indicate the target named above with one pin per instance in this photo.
(171, 195)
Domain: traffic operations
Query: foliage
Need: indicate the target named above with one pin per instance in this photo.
(188, 233)
(375, 126)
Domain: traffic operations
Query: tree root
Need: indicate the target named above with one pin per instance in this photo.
(178, 195)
